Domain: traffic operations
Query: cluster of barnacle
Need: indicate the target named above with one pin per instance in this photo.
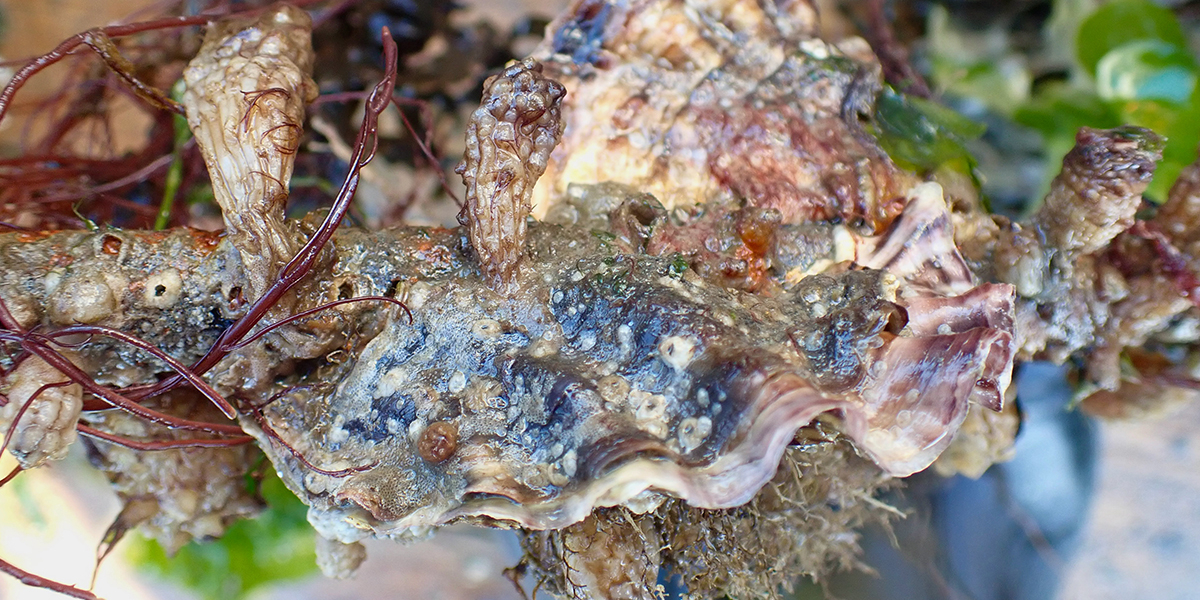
(737, 321)
(176, 496)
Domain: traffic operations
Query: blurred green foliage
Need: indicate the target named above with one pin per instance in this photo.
(276, 546)
(921, 135)
(1130, 64)
(1117, 24)
(32, 511)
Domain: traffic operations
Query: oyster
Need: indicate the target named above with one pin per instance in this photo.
(694, 101)
(608, 375)
(605, 370)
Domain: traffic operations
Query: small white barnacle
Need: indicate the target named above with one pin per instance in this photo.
(457, 383)
(624, 334)
(488, 329)
(693, 431)
(570, 462)
(83, 297)
(587, 340)
(650, 413)
(878, 368)
(818, 310)
(677, 351)
(542, 348)
(338, 433)
(614, 389)
(391, 382)
(625, 339)
(162, 289)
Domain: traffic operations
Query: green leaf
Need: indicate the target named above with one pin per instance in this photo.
(183, 133)
(1061, 110)
(922, 135)
(1002, 86)
(1118, 23)
(1180, 124)
(275, 546)
(1146, 70)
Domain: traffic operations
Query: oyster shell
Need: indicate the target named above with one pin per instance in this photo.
(608, 375)
(694, 101)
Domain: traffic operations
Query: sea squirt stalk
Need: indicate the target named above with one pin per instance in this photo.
(509, 139)
(249, 137)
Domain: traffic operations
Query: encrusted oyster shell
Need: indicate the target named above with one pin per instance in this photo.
(608, 376)
(691, 101)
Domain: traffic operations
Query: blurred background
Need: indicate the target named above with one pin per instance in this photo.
(1088, 508)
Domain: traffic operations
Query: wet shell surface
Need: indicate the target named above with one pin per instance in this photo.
(611, 375)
